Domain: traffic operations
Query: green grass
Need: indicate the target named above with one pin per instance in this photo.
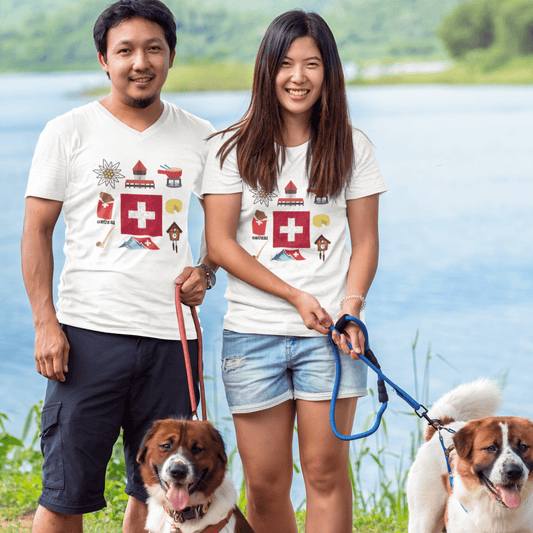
(384, 510)
(515, 72)
(202, 77)
(381, 509)
(233, 76)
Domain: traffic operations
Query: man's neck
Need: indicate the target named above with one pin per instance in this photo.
(137, 118)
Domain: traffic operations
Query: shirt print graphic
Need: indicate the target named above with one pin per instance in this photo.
(140, 211)
(291, 229)
(141, 214)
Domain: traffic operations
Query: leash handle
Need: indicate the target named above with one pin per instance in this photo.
(370, 359)
(187, 357)
(376, 368)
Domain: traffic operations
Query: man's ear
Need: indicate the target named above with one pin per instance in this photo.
(103, 62)
(172, 56)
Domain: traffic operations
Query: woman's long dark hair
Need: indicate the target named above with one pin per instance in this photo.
(258, 135)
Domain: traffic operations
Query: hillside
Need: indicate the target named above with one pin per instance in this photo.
(48, 35)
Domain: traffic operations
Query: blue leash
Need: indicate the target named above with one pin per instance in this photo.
(370, 359)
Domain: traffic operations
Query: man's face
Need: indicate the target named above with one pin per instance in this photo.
(138, 59)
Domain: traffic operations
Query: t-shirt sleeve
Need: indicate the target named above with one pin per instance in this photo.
(207, 130)
(366, 177)
(49, 169)
(225, 180)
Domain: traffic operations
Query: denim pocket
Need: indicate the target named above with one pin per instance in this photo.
(52, 447)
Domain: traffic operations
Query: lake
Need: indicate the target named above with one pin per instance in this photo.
(456, 229)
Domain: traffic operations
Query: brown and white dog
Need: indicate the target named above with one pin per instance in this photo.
(183, 466)
(492, 466)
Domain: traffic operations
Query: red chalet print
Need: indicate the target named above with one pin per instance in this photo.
(291, 229)
(141, 214)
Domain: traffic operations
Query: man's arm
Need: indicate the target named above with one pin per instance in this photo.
(51, 345)
(193, 280)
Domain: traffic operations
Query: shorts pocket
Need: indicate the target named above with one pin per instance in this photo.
(52, 447)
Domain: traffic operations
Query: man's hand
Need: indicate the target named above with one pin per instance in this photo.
(193, 281)
(51, 352)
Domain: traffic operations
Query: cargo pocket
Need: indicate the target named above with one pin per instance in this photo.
(52, 448)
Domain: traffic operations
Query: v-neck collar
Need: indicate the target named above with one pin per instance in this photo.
(148, 131)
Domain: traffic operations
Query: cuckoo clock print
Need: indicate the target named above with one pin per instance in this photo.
(174, 232)
(322, 245)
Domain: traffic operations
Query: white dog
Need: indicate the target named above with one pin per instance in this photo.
(492, 465)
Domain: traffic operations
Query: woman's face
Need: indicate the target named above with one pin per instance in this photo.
(299, 79)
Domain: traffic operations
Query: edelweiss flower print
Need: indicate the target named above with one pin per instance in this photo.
(108, 173)
(261, 196)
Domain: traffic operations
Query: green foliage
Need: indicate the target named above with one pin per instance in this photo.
(53, 35)
(515, 23)
(469, 27)
(488, 33)
(382, 508)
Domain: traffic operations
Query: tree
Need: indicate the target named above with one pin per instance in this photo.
(515, 27)
(468, 27)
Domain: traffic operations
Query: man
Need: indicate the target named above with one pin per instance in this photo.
(122, 171)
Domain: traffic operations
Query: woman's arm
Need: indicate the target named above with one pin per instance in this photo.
(363, 225)
(222, 219)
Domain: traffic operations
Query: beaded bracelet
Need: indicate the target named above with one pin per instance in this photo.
(355, 297)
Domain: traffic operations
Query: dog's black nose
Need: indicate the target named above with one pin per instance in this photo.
(178, 470)
(513, 473)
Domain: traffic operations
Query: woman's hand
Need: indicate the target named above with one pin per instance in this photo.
(354, 335)
(312, 313)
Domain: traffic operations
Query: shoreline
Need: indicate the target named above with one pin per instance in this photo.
(233, 76)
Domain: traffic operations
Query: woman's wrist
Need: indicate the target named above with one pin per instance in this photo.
(353, 302)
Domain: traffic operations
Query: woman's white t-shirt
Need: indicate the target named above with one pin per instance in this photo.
(300, 237)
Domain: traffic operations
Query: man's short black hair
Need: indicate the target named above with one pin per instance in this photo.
(152, 10)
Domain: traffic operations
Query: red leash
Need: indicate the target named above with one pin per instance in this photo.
(183, 337)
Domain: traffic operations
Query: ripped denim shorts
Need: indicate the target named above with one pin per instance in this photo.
(262, 371)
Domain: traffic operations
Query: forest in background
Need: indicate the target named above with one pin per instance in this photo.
(56, 35)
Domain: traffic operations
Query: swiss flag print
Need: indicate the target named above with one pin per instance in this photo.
(141, 214)
(291, 229)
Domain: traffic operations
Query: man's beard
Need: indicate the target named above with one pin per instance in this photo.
(142, 103)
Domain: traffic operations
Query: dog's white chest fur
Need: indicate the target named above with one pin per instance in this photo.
(224, 499)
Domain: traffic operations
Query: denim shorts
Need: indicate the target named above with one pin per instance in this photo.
(113, 381)
(262, 371)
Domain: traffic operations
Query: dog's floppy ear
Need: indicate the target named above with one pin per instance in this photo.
(141, 457)
(217, 437)
(464, 439)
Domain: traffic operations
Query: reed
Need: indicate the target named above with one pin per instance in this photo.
(378, 471)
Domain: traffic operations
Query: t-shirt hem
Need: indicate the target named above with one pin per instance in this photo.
(151, 334)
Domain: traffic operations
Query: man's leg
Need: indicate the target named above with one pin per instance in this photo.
(46, 521)
(135, 516)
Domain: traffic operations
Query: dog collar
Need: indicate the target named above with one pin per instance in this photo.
(189, 513)
(214, 528)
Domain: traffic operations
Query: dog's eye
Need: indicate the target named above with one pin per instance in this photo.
(491, 449)
(165, 447)
(196, 449)
(523, 447)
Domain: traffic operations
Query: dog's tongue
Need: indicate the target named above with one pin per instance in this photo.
(178, 498)
(510, 496)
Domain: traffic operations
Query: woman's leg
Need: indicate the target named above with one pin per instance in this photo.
(264, 440)
(325, 465)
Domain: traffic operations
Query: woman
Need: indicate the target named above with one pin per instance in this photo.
(279, 187)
